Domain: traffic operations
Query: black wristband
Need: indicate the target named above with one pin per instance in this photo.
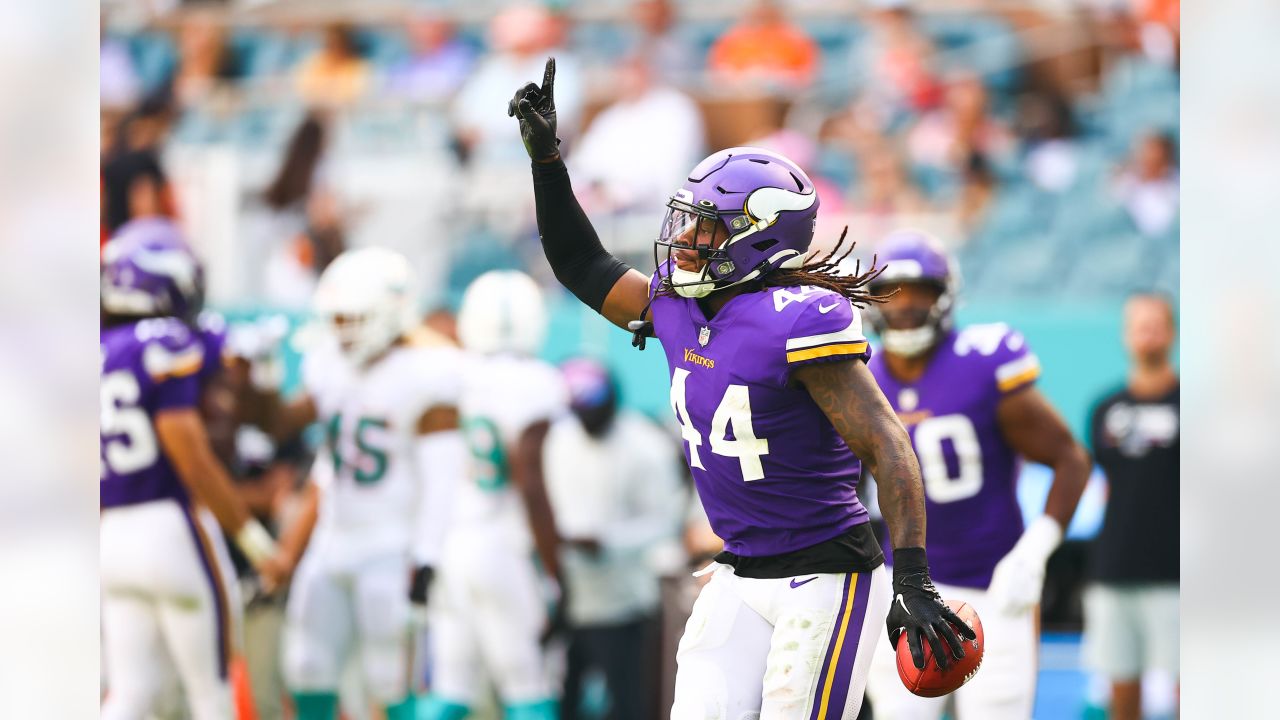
(910, 561)
(420, 583)
(570, 243)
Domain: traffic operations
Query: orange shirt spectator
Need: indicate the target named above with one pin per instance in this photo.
(336, 74)
(765, 46)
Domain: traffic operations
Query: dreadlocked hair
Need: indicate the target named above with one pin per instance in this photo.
(825, 273)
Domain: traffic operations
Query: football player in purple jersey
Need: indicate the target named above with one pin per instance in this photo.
(777, 410)
(168, 592)
(968, 398)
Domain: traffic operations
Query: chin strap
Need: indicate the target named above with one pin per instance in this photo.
(641, 329)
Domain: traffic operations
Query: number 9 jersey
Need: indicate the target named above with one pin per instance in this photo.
(773, 474)
(970, 473)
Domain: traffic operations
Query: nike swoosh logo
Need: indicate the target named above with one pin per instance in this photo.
(903, 604)
(824, 309)
(795, 584)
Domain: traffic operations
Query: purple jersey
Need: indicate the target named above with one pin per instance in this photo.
(970, 472)
(147, 366)
(772, 472)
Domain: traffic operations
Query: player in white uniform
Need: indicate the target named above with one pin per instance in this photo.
(382, 487)
(488, 613)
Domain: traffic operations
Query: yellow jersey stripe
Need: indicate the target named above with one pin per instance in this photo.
(835, 654)
(1022, 378)
(182, 370)
(855, 348)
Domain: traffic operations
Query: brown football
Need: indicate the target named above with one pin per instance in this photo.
(935, 682)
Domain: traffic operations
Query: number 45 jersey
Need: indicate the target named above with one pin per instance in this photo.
(970, 473)
(773, 474)
(366, 469)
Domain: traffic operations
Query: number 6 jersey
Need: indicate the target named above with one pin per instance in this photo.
(148, 366)
(970, 473)
(773, 474)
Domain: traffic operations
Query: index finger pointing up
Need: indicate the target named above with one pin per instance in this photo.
(549, 80)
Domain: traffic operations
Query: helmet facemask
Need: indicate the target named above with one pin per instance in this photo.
(919, 328)
(690, 234)
(363, 335)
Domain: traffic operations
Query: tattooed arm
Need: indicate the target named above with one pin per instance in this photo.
(853, 402)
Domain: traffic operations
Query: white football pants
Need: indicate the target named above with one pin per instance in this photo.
(169, 603)
(1003, 689)
(487, 614)
(786, 649)
(336, 610)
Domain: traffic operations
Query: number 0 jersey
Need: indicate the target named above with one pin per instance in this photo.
(970, 473)
(149, 366)
(773, 474)
(367, 470)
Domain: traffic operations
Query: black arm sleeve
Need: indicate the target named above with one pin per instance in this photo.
(571, 245)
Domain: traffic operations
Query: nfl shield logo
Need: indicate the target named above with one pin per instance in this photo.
(704, 336)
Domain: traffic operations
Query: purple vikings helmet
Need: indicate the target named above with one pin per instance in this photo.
(912, 256)
(149, 271)
(764, 206)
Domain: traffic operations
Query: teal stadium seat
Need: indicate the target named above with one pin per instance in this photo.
(383, 48)
(1113, 266)
(985, 44)
(155, 58)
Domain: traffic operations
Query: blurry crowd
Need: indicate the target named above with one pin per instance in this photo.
(1035, 132)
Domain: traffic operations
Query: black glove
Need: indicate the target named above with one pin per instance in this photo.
(420, 583)
(536, 108)
(918, 610)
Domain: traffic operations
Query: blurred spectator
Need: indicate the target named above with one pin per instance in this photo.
(335, 74)
(298, 229)
(615, 486)
(670, 57)
(977, 188)
(944, 138)
(438, 65)
(1045, 125)
(644, 108)
(134, 184)
(1148, 186)
(1131, 612)
(205, 60)
(764, 47)
(118, 83)
(1159, 23)
(896, 59)
(857, 127)
(522, 36)
(885, 189)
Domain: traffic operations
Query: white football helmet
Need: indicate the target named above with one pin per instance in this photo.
(367, 298)
(503, 311)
